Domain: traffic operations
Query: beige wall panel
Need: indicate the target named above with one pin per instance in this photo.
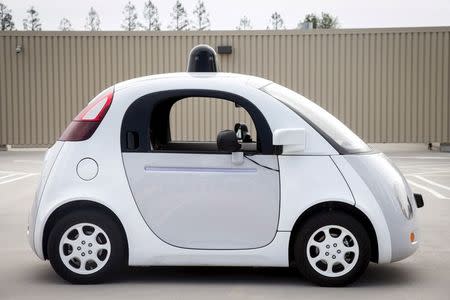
(388, 85)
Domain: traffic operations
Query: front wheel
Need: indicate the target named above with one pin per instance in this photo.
(332, 249)
(86, 246)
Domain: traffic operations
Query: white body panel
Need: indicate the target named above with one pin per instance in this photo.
(369, 206)
(302, 186)
(378, 183)
(313, 175)
(204, 201)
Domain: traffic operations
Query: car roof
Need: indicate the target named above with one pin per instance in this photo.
(253, 81)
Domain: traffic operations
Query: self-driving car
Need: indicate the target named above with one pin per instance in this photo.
(141, 177)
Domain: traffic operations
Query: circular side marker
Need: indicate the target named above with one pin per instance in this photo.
(87, 169)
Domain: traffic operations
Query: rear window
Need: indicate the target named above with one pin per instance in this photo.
(333, 130)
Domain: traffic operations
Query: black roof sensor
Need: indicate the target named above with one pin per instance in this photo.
(202, 59)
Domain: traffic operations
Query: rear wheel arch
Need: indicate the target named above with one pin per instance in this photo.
(71, 207)
(335, 206)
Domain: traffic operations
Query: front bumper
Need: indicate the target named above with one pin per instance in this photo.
(383, 180)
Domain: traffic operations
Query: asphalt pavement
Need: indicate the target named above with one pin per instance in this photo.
(425, 275)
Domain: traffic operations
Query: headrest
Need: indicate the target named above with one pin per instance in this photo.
(227, 141)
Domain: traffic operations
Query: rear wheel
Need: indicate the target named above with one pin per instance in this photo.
(332, 249)
(86, 246)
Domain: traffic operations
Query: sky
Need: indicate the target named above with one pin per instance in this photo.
(225, 14)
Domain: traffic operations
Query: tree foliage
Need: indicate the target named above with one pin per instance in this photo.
(276, 22)
(313, 19)
(92, 21)
(130, 21)
(179, 17)
(151, 16)
(6, 22)
(65, 25)
(201, 16)
(32, 21)
(244, 24)
(326, 21)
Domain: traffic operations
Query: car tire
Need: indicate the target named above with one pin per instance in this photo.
(332, 249)
(87, 246)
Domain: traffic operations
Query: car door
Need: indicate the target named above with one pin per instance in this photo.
(205, 201)
(202, 200)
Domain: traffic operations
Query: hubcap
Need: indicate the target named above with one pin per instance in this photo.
(84, 248)
(332, 251)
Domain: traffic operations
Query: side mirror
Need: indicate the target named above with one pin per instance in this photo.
(293, 140)
(227, 141)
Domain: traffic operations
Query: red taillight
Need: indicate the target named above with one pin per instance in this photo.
(87, 121)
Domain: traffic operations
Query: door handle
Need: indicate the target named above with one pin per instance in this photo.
(237, 158)
(132, 140)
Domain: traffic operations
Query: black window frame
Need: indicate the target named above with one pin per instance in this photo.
(138, 117)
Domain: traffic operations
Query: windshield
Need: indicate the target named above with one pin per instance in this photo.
(333, 130)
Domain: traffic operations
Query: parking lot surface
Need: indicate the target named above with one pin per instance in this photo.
(425, 275)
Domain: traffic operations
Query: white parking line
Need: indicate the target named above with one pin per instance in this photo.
(14, 172)
(445, 166)
(18, 178)
(427, 173)
(10, 175)
(435, 175)
(421, 157)
(432, 182)
(27, 161)
(431, 191)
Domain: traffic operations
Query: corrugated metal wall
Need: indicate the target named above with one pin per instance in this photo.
(200, 119)
(389, 85)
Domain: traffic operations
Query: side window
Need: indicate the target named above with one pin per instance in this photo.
(199, 119)
(194, 123)
(189, 121)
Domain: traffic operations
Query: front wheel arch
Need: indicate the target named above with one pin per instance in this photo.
(335, 206)
(71, 207)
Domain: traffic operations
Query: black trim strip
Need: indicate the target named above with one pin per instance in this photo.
(137, 118)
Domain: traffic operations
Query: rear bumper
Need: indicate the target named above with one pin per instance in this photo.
(49, 160)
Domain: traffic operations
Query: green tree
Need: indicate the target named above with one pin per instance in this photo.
(313, 19)
(151, 16)
(276, 22)
(244, 24)
(32, 22)
(328, 21)
(130, 21)
(179, 17)
(65, 25)
(201, 17)
(92, 21)
(6, 22)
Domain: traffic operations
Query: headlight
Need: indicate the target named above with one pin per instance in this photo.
(402, 197)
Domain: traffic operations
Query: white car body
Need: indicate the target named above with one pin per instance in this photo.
(164, 200)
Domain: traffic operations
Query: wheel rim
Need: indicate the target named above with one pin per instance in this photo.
(84, 248)
(332, 251)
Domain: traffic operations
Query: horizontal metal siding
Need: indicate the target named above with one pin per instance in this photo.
(388, 85)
